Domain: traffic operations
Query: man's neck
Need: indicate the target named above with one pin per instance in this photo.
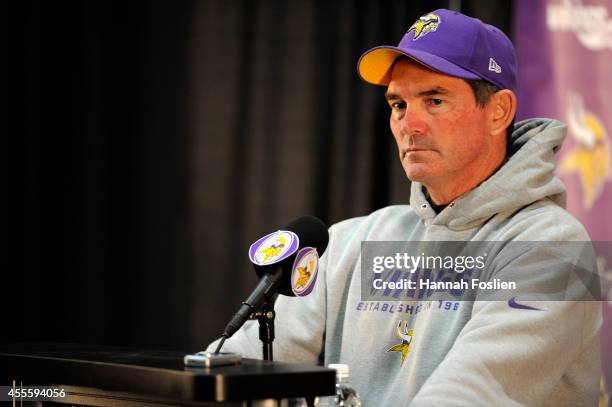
(446, 191)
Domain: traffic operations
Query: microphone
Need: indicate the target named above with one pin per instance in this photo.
(274, 264)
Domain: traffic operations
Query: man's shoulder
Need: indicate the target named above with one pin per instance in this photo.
(545, 220)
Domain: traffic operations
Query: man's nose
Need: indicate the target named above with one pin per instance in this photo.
(413, 121)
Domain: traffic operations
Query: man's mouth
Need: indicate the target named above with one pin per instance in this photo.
(409, 150)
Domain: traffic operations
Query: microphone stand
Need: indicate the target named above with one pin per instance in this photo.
(266, 316)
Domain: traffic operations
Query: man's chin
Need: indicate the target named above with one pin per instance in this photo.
(416, 174)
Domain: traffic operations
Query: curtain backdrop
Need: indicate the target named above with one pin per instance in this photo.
(159, 140)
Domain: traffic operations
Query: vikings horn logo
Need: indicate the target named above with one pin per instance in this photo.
(590, 158)
(305, 273)
(406, 336)
(275, 249)
(424, 25)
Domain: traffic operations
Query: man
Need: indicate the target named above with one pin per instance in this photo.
(450, 86)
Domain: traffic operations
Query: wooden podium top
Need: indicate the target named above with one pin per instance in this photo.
(154, 377)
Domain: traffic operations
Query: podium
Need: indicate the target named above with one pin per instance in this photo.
(106, 376)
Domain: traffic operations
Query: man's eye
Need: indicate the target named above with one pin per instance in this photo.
(398, 105)
(434, 102)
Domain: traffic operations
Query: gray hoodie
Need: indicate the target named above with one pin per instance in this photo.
(461, 353)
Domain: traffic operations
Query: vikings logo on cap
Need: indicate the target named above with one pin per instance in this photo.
(274, 247)
(424, 25)
(304, 272)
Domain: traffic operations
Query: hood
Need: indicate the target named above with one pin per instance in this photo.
(526, 177)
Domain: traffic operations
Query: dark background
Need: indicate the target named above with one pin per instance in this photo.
(157, 140)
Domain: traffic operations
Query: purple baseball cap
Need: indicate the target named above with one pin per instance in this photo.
(450, 43)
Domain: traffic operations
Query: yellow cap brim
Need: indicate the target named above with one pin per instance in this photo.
(375, 66)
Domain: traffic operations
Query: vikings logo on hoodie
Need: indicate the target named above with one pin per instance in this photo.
(406, 336)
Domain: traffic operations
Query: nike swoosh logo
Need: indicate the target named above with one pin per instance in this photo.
(513, 304)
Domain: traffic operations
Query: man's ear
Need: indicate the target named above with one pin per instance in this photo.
(502, 109)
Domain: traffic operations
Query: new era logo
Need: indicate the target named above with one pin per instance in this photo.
(494, 66)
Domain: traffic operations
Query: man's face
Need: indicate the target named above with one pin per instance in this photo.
(441, 132)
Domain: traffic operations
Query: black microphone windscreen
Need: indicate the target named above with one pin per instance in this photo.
(311, 231)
